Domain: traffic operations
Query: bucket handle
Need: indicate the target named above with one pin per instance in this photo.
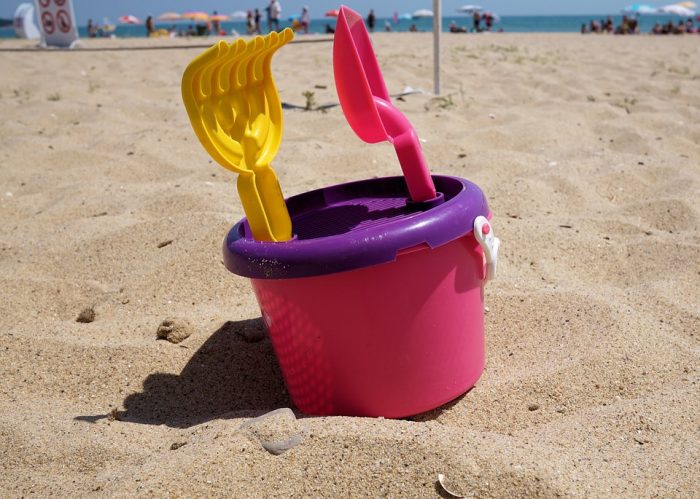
(483, 232)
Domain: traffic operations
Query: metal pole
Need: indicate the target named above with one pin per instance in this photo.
(437, 31)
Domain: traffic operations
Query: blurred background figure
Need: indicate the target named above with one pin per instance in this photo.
(274, 16)
(305, 19)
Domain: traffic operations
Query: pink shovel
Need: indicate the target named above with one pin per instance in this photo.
(367, 105)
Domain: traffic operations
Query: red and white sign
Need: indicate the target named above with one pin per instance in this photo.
(63, 21)
(57, 18)
(47, 23)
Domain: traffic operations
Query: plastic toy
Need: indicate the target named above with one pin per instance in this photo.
(375, 306)
(235, 111)
(367, 105)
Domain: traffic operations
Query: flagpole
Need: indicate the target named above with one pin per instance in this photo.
(437, 31)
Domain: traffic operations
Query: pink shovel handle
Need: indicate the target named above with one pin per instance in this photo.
(401, 133)
(415, 169)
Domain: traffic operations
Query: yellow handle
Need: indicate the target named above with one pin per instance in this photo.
(276, 209)
(264, 206)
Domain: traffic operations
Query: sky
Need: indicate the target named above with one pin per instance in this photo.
(97, 9)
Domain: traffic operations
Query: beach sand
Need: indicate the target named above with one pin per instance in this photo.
(588, 151)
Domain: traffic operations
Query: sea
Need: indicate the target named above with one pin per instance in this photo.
(510, 24)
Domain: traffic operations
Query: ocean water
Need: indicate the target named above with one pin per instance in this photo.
(517, 24)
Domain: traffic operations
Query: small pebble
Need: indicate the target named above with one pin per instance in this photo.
(533, 407)
(177, 445)
(86, 316)
(174, 330)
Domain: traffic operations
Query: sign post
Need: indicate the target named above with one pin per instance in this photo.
(57, 23)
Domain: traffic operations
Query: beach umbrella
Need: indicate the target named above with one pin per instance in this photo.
(676, 10)
(239, 14)
(688, 5)
(129, 19)
(496, 17)
(219, 17)
(196, 16)
(169, 16)
(470, 9)
(640, 9)
(332, 13)
(422, 13)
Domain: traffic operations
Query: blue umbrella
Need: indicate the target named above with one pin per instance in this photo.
(640, 9)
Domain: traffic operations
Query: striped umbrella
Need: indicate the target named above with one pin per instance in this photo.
(196, 16)
(169, 16)
(129, 19)
(677, 10)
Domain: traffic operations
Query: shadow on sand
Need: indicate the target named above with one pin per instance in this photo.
(227, 377)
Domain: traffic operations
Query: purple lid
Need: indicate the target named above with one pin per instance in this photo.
(355, 225)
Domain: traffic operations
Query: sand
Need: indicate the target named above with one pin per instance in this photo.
(588, 150)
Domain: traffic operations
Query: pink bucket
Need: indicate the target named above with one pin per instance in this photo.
(375, 308)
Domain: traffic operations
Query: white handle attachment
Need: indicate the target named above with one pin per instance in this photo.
(483, 231)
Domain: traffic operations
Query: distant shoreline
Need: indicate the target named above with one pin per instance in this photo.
(510, 24)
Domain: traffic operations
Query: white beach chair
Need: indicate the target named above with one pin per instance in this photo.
(23, 22)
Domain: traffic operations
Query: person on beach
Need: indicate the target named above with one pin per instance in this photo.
(250, 23)
(457, 29)
(633, 26)
(257, 16)
(488, 20)
(275, 12)
(476, 20)
(608, 26)
(150, 29)
(91, 29)
(215, 24)
(305, 19)
(371, 20)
